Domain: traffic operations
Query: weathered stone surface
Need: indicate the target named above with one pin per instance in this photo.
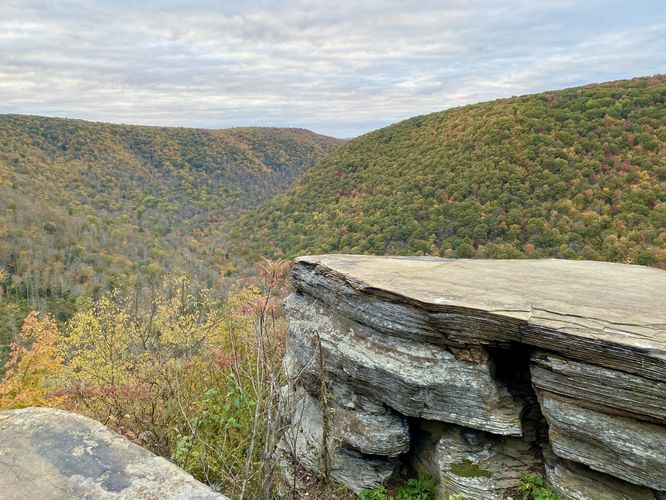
(302, 442)
(464, 344)
(611, 315)
(481, 465)
(414, 378)
(372, 434)
(577, 482)
(629, 449)
(603, 389)
(380, 431)
(48, 453)
(344, 397)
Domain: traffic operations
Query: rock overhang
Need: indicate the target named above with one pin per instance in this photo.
(528, 337)
(617, 309)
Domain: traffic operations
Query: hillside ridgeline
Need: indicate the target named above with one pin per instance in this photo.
(576, 173)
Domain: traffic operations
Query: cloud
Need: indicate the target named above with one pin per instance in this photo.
(340, 68)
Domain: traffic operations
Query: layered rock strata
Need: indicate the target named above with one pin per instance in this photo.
(475, 370)
(414, 378)
(578, 482)
(359, 449)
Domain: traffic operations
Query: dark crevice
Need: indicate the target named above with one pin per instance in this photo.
(511, 368)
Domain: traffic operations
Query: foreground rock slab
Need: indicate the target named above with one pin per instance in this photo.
(49, 453)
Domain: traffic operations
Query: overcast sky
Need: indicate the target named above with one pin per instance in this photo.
(336, 67)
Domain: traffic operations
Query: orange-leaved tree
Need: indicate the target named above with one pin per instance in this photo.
(34, 362)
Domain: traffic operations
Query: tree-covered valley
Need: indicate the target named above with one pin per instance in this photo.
(577, 173)
(86, 207)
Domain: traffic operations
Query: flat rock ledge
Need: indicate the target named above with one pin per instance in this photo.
(54, 454)
(478, 372)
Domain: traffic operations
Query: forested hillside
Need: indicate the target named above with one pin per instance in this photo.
(577, 173)
(87, 205)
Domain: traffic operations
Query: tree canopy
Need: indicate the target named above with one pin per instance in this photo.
(85, 207)
(578, 173)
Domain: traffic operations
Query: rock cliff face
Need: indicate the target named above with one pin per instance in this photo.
(479, 372)
(54, 454)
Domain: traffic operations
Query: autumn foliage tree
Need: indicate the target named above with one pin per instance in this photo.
(138, 361)
(34, 362)
(191, 378)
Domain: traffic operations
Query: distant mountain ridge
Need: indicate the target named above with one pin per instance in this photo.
(574, 173)
(85, 205)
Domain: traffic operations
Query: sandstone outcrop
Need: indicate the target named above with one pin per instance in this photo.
(480, 372)
(49, 453)
(414, 378)
(599, 388)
